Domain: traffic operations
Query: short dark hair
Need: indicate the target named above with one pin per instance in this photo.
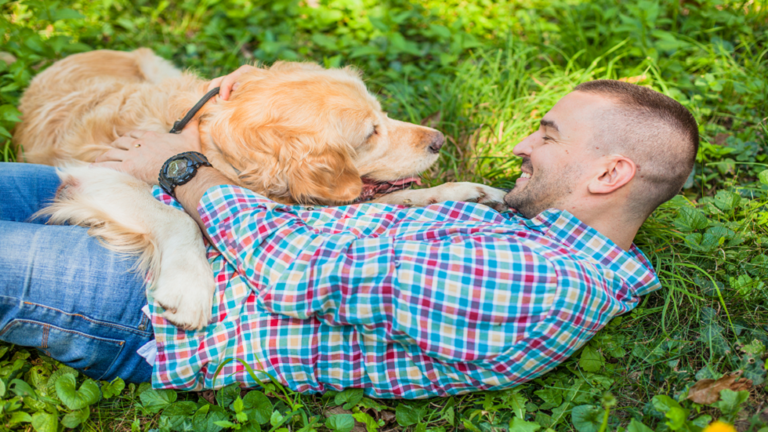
(661, 137)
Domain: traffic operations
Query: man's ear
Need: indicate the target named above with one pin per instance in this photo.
(615, 172)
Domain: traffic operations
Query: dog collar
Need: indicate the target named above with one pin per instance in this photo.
(179, 125)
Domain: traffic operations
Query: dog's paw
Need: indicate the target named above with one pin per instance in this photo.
(481, 194)
(185, 292)
(459, 191)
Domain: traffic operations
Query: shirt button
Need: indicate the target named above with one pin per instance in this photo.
(397, 263)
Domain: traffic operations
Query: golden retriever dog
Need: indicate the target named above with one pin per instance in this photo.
(294, 132)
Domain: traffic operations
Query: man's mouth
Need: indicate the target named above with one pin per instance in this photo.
(373, 188)
(526, 171)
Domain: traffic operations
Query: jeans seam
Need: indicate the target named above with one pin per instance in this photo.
(48, 326)
(120, 343)
(46, 330)
(44, 343)
(117, 326)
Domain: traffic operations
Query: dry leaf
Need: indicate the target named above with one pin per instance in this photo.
(6, 57)
(336, 410)
(432, 120)
(634, 79)
(359, 427)
(246, 52)
(720, 138)
(208, 395)
(387, 416)
(707, 391)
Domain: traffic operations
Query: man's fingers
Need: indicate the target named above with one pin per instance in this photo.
(216, 82)
(124, 142)
(111, 165)
(229, 83)
(136, 133)
(114, 155)
(226, 86)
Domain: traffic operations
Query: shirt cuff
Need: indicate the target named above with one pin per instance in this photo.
(224, 201)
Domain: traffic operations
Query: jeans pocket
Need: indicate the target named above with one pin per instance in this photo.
(90, 354)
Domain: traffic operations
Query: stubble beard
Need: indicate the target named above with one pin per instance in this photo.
(541, 192)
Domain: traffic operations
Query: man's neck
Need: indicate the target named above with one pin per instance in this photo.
(609, 222)
(620, 232)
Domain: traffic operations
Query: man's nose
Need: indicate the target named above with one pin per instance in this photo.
(438, 139)
(523, 148)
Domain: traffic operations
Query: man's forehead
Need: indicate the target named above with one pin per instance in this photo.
(576, 108)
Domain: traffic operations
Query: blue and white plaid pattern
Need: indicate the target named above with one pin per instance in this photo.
(402, 302)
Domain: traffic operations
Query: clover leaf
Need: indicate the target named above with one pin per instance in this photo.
(74, 399)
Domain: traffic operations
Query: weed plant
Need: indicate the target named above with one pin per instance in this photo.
(484, 72)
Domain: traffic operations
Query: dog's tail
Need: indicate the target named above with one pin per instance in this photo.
(109, 203)
(154, 68)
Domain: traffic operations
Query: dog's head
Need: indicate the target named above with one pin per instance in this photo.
(314, 135)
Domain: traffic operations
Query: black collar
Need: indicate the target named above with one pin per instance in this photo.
(179, 125)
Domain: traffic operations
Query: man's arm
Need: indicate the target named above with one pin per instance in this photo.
(189, 194)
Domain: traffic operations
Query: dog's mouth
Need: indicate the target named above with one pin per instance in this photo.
(374, 188)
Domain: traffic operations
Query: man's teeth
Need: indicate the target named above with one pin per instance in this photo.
(525, 175)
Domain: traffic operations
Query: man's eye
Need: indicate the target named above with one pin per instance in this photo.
(546, 138)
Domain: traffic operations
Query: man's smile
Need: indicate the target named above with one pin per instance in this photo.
(522, 179)
(526, 170)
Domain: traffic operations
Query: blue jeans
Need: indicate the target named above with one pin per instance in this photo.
(61, 291)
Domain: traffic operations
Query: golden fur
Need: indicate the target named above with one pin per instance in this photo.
(294, 132)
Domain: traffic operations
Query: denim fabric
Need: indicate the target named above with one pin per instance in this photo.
(61, 291)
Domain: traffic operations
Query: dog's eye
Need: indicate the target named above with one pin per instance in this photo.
(374, 132)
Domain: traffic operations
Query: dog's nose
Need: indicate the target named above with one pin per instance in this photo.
(437, 143)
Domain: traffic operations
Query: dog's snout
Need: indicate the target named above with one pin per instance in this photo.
(437, 142)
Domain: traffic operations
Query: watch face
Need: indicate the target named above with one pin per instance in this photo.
(177, 168)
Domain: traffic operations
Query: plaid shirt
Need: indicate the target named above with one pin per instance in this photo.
(402, 302)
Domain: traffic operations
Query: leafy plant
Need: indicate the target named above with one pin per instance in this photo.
(483, 72)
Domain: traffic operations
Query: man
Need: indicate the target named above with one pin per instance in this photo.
(402, 302)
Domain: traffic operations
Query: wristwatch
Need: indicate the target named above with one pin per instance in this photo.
(180, 169)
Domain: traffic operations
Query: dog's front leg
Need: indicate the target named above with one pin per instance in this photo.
(458, 191)
(121, 210)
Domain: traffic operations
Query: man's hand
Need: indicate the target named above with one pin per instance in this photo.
(228, 83)
(142, 154)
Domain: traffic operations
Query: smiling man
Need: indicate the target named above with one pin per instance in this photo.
(609, 153)
(409, 302)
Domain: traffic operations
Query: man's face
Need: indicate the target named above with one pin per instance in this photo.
(557, 158)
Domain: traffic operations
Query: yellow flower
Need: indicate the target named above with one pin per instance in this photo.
(718, 426)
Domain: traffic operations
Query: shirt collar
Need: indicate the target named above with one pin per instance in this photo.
(632, 266)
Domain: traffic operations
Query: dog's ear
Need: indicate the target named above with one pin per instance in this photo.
(324, 175)
(299, 168)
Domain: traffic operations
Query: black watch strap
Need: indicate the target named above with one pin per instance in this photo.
(194, 161)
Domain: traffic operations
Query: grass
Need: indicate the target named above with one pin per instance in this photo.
(485, 72)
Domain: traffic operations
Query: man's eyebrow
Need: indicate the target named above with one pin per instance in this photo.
(549, 123)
